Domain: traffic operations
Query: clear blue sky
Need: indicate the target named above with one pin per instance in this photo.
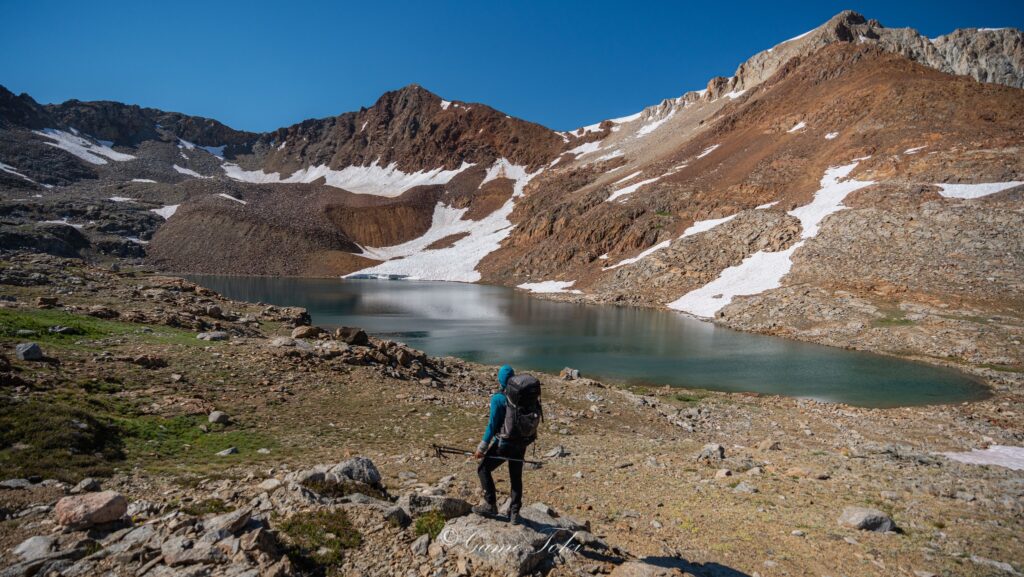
(261, 65)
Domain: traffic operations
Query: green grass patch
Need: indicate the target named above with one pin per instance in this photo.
(87, 328)
(687, 399)
(157, 440)
(430, 523)
(663, 213)
(317, 540)
(56, 439)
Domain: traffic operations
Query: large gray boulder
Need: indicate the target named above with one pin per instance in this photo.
(497, 545)
(358, 469)
(866, 519)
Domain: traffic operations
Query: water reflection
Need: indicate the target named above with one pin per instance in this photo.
(497, 325)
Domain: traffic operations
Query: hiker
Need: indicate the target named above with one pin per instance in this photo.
(514, 417)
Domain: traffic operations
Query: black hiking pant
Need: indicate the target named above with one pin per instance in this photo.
(515, 472)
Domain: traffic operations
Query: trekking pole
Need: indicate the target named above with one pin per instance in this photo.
(440, 451)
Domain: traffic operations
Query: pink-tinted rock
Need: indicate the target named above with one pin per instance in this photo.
(80, 511)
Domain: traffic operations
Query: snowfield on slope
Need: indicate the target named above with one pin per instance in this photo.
(968, 191)
(458, 262)
(762, 270)
(91, 152)
(387, 181)
(167, 211)
(551, 286)
(1000, 455)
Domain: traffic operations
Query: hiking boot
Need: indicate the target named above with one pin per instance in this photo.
(486, 509)
(514, 519)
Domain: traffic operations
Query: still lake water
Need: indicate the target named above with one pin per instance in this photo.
(496, 325)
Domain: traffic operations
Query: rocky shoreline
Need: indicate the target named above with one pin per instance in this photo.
(160, 429)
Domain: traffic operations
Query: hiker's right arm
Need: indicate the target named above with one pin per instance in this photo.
(497, 415)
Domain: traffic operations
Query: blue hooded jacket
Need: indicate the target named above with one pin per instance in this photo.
(498, 404)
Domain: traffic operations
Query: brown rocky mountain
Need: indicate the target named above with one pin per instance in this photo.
(856, 185)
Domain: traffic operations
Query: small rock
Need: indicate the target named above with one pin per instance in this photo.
(15, 484)
(557, 452)
(28, 352)
(228, 451)
(420, 546)
(281, 342)
(352, 335)
(87, 485)
(744, 487)
(306, 332)
(723, 473)
(798, 533)
(35, 548)
(219, 417)
(866, 519)
(263, 451)
(569, 374)
(270, 485)
(213, 336)
(768, 445)
(711, 453)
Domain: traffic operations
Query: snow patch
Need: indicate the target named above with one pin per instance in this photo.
(550, 286)
(182, 143)
(706, 225)
(831, 135)
(641, 256)
(457, 262)
(166, 211)
(189, 172)
(915, 150)
(445, 104)
(229, 197)
(585, 148)
(763, 271)
(121, 199)
(630, 189)
(147, 180)
(697, 227)
(766, 205)
(91, 152)
(735, 94)
(652, 126)
(63, 221)
(217, 151)
(613, 154)
(625, 178)
(708, 150)
(10, 169)
(387, 181)
(1000, 455)
(968, 191)
(798, 127)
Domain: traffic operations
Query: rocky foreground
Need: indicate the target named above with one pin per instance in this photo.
(150, 427)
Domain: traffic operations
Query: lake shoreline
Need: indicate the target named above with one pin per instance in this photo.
(622, 344)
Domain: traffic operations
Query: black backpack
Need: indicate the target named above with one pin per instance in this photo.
(523, 412)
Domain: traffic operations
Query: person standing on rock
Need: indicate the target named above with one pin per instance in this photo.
(514, 418)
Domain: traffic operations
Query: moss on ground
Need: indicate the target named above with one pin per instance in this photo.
(54, 439)
(317, 540)
(430, 523)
